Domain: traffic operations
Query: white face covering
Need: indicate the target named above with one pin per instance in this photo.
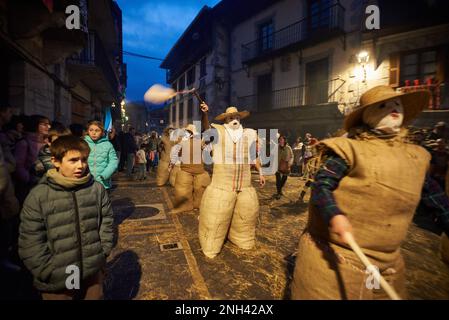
(387, 117)
(234, 128)
(233, 122)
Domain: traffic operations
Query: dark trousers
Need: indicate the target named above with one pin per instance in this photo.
(281, 179)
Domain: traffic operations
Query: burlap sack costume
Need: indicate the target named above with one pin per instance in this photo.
(163, 175)
(192, 179)
(230, 205)
(173, 174)
(379, 196)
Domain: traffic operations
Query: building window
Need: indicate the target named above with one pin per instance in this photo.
(266, 35)
(319, 13)
(418, 67)
(317, 82)
(182, 82)
(191, 76)
(203, 67)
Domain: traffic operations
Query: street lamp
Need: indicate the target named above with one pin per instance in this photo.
(363, 58)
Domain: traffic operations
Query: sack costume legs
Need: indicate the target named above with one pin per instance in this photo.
(230, 205)
(165, 146)
(192, 179)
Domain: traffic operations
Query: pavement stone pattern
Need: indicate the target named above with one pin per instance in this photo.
(138, 269)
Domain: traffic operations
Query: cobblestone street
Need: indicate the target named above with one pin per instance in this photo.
(139, 269)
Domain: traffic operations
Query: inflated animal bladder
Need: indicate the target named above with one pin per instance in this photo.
(159, 94)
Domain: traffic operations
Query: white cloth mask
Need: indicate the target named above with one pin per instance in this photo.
(387, 117)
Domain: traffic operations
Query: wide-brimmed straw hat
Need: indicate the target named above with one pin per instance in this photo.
(232, 111)
(413, 102)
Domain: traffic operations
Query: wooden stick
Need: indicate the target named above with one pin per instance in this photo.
(192, 91)
(198, 96)
(383, 283)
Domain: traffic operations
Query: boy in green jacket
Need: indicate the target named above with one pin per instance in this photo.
(66, 230)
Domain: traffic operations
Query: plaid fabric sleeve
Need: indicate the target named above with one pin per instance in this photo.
(434, 197)
(326, 181)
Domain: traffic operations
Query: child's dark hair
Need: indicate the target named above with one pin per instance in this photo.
(58, 130)
(64, 144)
(32, 122)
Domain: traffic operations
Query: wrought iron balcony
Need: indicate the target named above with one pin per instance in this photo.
(310, 94)
(439, 95)
(317, 27)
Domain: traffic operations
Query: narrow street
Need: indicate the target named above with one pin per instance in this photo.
(139, 269)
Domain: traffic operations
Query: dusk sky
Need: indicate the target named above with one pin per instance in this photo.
(151, 27)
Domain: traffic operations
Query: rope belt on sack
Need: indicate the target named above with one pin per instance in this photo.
(369, 266)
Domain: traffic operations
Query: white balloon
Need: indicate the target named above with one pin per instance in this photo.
(158, 94)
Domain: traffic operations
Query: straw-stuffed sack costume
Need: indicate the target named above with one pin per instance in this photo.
(230, 205)
(165, 146)
(192, 179)
(369, 185)
(173, 173)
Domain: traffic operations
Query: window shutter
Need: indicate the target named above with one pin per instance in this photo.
(395, 62)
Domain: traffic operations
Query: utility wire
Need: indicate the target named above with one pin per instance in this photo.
(141, 56)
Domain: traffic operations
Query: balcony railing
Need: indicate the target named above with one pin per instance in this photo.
(439, 95)
(94, 54)
(310, 94)
(315, 26)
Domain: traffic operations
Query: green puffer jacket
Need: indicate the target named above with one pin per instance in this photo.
(102, 160)
(65, 226)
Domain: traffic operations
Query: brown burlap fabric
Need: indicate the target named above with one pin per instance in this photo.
(167, 145)
(227, 214)
(173, 173)
(189, 189)
(379, 196)
(230, 205)
(162, 174)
